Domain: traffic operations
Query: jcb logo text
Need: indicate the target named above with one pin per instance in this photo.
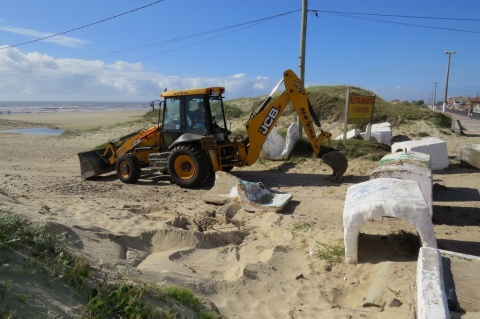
(269, 120)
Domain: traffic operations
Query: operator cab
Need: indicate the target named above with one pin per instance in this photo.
(197, 111)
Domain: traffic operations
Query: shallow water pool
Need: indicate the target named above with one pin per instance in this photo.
(35, 131)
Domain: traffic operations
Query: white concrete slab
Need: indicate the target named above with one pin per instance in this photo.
(224, 190)
(255, 197)
(420, 174)
(374, 137)
(411, 157)
(431, 297)
(385, 133)
(436, 148)
(391, 197)
(379, 133)
(381, 125)
(350, 134)
(276, 147)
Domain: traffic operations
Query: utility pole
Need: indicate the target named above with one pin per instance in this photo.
(446, 84)
(303, 44)
(434, 95)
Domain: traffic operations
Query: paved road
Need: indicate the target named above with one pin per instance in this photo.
(470, 126)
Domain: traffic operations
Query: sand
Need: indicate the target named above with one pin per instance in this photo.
(250, 265)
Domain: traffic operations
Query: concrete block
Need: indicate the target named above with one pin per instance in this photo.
(415, 158)
(374, 137)
(436, 148)
(431, 297)
(391, 197)
(276, 147)
(449, 284)
(470, 155)
(420, 174)
(350, 134)
(381, 125)
(385, 134)
(256, 197)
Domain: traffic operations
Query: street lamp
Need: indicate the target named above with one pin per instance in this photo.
(434, 96)
(446, 85)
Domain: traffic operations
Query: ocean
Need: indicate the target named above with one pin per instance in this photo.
(57, 107)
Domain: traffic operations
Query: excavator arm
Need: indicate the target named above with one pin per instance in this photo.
(263, 120)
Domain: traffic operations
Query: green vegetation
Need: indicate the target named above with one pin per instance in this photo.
(303, 226)
(421, 134)
(396, 293)
(331, 254)
(328, 103)
(106, 297)
(232, 111)
(356, 148)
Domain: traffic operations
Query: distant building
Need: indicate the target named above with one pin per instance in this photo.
(456, 102)
(476, 103)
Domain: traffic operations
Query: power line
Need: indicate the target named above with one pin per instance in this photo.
(83, 26)
(398, 16)
(355, 15)
(235, 27)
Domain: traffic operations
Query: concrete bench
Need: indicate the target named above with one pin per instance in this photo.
(415, 158)
(420, 174)
(431, 298)
(436, 148)
(391, 197)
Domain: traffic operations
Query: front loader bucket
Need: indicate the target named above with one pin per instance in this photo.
(93, 163)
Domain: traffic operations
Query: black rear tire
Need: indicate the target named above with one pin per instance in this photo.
(189, 166)
(128, 168)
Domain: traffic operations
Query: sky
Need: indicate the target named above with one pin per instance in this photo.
(124, 50)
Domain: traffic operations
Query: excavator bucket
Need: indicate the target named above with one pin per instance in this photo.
(93, 163)
(337, 162)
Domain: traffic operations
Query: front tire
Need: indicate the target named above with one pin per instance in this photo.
(128, 168)
(189, 166)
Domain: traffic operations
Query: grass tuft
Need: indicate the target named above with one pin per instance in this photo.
(303, 226)
(331, 254)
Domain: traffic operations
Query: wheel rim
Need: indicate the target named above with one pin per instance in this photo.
(125, 169)
(184, 167)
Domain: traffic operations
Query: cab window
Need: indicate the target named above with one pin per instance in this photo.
(171, 117)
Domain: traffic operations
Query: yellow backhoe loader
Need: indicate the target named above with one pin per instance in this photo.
(191, 140)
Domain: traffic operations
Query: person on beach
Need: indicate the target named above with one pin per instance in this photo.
(470, 111)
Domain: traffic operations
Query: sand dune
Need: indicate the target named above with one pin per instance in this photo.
(251, 265)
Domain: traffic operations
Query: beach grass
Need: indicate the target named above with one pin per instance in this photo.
(107, 295)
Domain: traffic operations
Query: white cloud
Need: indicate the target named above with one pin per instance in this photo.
(239, 76)
(40, 77)
(59, 39)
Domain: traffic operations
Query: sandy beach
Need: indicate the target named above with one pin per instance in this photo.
(250, 265)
